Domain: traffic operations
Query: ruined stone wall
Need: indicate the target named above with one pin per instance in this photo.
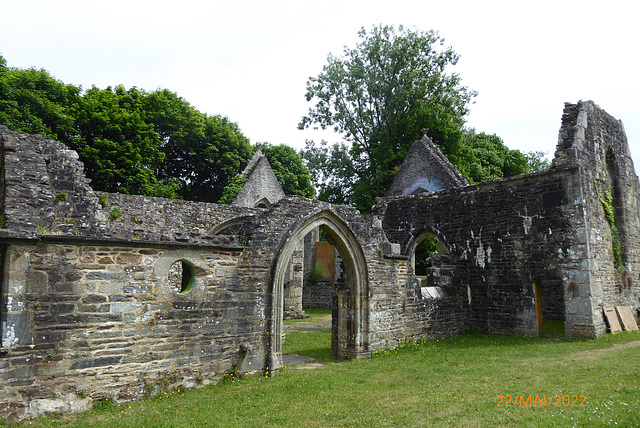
(147, 218)
(45, 191)
(596, 143)
(98, 318)
(89, 301)
(317, 294)
(414, 315)
(550, 226)
(44, 186)
(503, 235)
(390, 306)
(86, 303)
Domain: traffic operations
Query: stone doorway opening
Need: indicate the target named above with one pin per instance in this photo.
(548, 296)
(349, 326)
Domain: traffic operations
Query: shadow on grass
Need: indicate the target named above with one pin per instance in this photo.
(314, 343)
(553, 329)
(309, 343)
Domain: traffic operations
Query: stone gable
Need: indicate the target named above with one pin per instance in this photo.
(425, 169)
(261, 188)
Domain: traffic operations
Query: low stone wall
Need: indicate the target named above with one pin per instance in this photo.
(95, 318)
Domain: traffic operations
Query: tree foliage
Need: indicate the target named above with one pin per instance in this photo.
(118, 146)
(32, 101)
(379, 96)
(133, 141)
(538, 161)
(484, 157)
(202, 152)
(287, 165)
(331, 171)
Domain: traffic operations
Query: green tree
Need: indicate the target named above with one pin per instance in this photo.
(379, 96)
(331, 171)
(33, 101)
(119, 148)
(132, 141)
(484, 157)
(291, 172)
(537, 161)
(203, 153)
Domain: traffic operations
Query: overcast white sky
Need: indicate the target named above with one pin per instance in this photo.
(250, 60)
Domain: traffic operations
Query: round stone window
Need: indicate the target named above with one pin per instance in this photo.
(182, 277)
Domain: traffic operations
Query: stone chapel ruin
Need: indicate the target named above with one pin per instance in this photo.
(103, 293)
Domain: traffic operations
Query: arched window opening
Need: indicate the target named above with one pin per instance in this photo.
(263, 203)
(612, 197)
(182, 277)
(430, 266)
(424, 256)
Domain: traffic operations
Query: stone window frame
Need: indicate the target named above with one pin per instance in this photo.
(412, 245)
(195, 261)
(263, 203)
(188, 280)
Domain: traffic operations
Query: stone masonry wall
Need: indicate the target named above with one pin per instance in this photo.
(87, 303)
(597, 144)
(317, 294)
(98, 318)
(503, 235)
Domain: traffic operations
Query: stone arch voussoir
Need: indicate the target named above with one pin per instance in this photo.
(418, 236)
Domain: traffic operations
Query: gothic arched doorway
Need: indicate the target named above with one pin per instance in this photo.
(350, 303)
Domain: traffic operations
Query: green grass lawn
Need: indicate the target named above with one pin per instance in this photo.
(452, 382)
(310, 343)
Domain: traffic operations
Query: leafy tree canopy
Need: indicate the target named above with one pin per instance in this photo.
(292, 174)
(484, 157)
(379, 96)
(32, 101)
(118, 146)
(538, 161)
(331, 171)
(202, 152)
(132, 141)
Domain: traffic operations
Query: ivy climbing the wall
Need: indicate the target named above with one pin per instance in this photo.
(616, 238)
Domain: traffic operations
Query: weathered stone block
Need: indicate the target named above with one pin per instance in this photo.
(96, 362)
(94, 298)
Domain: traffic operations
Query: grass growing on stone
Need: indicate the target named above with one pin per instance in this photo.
(450, 382)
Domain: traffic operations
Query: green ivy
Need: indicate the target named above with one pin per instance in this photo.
(616, 238)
